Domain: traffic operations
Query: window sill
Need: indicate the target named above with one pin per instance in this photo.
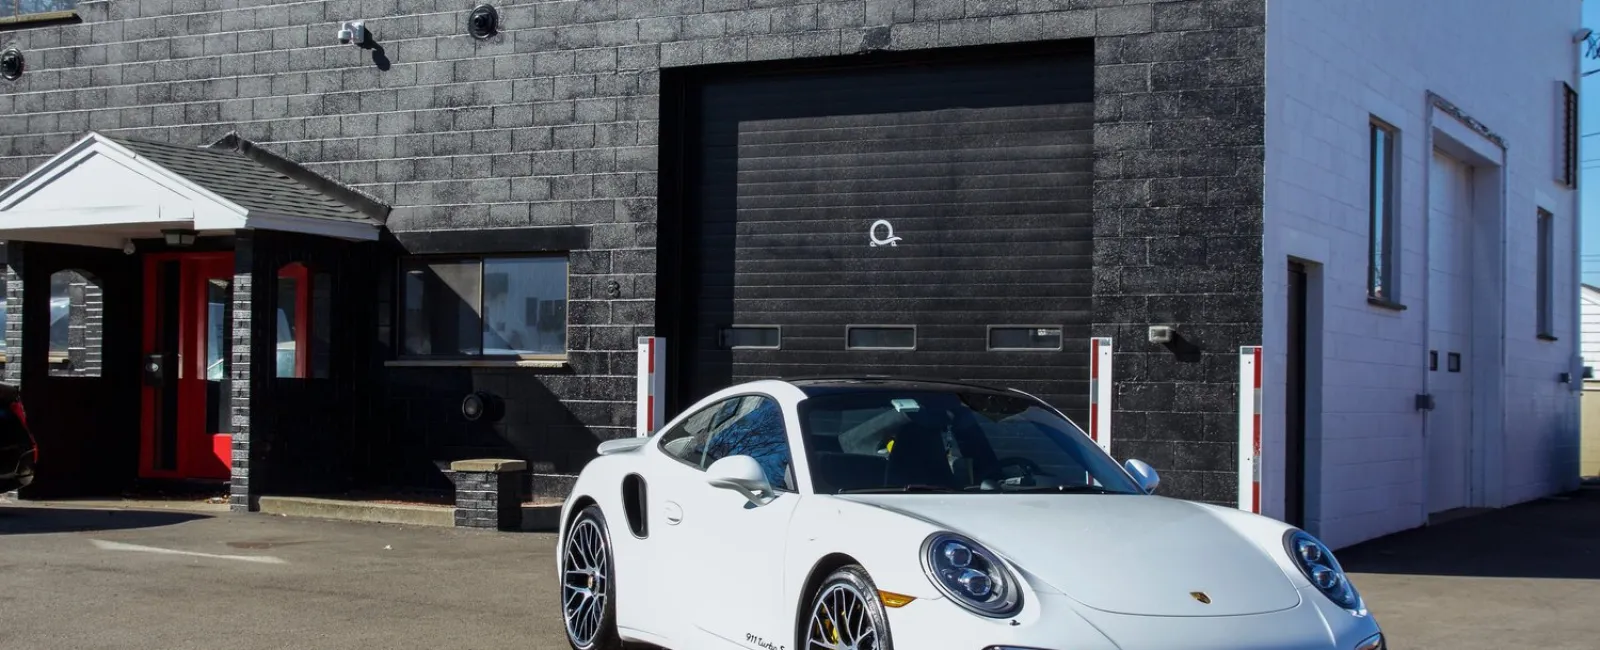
(1548, 337)
(554, 364)
(1385, 304)
(30, 20)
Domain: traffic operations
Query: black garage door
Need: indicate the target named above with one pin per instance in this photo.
(930, 220)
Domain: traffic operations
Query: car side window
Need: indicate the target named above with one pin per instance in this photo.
(750, 425)
(757, 431)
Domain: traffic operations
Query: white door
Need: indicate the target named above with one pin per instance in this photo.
(1449, 432)
(729, 554)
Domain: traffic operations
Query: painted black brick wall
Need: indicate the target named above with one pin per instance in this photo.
(554, 124)
(1178, 223)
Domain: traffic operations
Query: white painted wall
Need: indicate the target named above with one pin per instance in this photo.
(1589, 311)
(1330, 65)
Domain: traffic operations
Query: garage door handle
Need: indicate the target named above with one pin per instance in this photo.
(674, 512)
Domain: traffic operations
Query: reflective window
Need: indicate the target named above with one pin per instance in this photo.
(216, 329)
(751, 425)
(752, 337)
(1381, 202)
(75, 324)
(1007, 337)
(880, 337)
(23, 9)
(514, 306)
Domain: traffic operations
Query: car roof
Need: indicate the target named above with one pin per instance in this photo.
(832, 384)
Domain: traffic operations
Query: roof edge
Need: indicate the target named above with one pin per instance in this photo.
(357, 200)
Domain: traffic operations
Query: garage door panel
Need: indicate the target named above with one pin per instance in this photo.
(907, 126)
(1073, 157)
(907, 150)
(929, 180)
(984, 173)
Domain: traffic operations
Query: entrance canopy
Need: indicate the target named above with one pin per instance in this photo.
(106, 191)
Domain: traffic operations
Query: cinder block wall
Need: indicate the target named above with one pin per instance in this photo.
(553, 122)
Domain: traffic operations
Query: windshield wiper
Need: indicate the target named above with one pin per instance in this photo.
(914, 487)
(1064, 489)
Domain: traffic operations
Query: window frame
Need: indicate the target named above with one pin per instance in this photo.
(916, 339)
(1569, 136)
(1061, 338)
(19, 18)
(401, 357)
(665, 436)
(1544, 274)
(1380, 254)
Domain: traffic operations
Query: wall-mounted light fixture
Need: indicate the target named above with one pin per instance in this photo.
(483, 22)
(178, 238)
(12, 63)
(353, 32)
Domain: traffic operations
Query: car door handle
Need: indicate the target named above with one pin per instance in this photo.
(674, 512)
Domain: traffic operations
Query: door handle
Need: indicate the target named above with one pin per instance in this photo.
(674, 512)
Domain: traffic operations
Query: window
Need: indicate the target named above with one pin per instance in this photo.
(75, 325)
(25, 10)
(751, 425)
(1546, 274)
(752, 337)
(1380, 250)
(1569, 136)
(880, 337)
(494, 307)
(1022, 337)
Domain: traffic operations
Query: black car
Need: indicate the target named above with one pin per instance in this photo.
(19, 454)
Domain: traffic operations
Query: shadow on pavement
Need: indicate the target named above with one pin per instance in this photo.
(1557, 537)
(43, 521)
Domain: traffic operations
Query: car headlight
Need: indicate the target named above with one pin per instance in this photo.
(970, 575)
(1324, 572)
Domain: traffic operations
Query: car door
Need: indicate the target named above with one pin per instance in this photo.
(730, 552)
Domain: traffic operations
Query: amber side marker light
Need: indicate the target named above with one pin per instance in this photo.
(891, 599)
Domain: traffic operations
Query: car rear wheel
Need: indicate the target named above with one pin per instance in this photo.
(588, 604)
(847, 614)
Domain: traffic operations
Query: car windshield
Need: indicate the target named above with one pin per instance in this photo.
(949, 441)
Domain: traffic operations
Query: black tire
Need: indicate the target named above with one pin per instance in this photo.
(854, 579)
(579, 636)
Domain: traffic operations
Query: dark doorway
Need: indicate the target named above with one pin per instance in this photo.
(79, 346)
(1294, 448)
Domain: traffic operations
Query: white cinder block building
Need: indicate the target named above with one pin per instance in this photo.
(1421, 196)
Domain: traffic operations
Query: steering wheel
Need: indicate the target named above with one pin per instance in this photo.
(1029, 469)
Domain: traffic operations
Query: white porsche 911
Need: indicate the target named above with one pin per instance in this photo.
(870, 513)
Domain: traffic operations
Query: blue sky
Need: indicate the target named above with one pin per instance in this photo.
(1589, 153)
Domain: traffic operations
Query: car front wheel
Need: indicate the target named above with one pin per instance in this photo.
(588, 604)
(847, 614)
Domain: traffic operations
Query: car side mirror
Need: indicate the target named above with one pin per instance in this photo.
(741, 474)
(1144, 474)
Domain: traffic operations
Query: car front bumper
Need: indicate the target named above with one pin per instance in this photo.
(1055, 622)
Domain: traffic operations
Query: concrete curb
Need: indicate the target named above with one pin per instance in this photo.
(540, 518)
(383, 513)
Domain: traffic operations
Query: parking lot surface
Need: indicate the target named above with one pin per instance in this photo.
(85, 579)
(90, 578)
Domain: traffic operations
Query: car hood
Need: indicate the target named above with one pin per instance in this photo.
(1124, 554)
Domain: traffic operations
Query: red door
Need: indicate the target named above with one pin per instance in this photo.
(187, 337)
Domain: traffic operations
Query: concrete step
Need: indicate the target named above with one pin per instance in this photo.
(386, 513)
(542, 516)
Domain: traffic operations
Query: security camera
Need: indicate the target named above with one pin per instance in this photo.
(353, 32)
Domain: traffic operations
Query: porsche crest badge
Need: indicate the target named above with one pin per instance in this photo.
(1200, 596)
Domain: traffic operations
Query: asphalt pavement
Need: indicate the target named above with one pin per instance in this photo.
(87, 579)
(82, 577)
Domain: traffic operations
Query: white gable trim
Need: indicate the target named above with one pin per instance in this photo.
(186, 203)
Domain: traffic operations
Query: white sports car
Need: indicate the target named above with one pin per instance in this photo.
(870, 513)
